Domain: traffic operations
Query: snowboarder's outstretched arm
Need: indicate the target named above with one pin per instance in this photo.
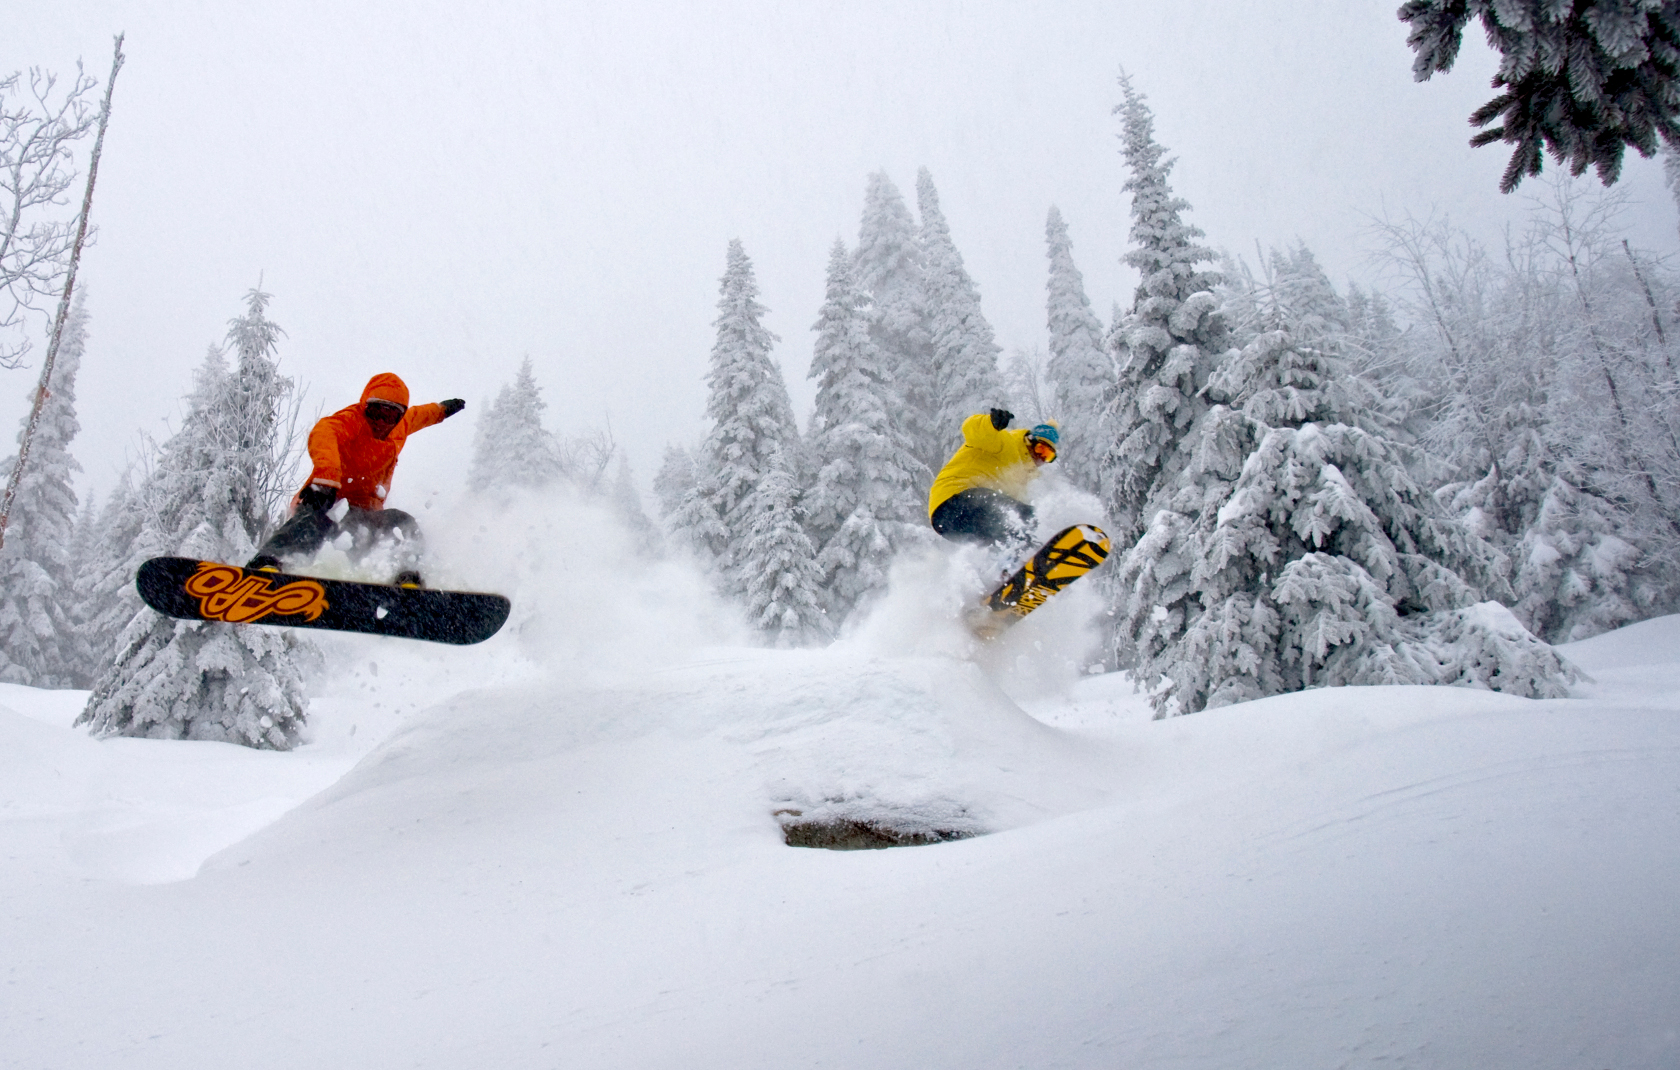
(426, 415)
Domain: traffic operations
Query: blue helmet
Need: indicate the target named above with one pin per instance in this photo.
(1047, 432)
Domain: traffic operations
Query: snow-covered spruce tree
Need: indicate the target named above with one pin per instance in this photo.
(510, 446)
(1580, 79)
(741, 514)
(1323, 563)
(627, 502)
(1379, 355)
(891, 271)
(1027, 390)
(675, 478)
(40, 644)
(1081, 366)
(206, 497)
(1298, 356)
(106, 600)
(775, 567)
(865, 503)
(1165, 348)
(1576, 565)
(963, 349)
(1582, 570)
(84, 548)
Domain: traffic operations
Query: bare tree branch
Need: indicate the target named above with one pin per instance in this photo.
(39, 129)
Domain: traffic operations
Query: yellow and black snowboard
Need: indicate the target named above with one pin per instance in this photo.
(209, 590)
(1066, 557)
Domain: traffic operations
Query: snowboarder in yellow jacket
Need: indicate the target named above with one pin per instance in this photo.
(977, 496)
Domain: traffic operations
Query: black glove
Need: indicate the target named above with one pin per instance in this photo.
(452, 406)
(317, 497)
(1001, 418)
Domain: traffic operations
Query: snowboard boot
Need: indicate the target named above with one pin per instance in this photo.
(264, 563)
(409, 578)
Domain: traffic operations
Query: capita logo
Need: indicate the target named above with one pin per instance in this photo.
(226, 593)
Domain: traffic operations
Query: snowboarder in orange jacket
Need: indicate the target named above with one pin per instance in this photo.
(354, 452)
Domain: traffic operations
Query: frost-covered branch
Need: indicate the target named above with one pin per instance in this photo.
(1581, 81)
(40, 125)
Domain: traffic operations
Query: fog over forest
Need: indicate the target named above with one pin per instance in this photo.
(443, 194)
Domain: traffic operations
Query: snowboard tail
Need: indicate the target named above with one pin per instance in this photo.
(211, 591)
(1070, 554)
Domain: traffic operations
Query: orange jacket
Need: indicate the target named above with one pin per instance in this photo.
(347, 456)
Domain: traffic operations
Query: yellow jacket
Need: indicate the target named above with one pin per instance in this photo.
(987, 458)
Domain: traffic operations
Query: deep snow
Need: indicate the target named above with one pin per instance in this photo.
(559, 849)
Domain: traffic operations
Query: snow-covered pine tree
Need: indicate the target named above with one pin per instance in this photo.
(1379, 356)
(1296, 366)
(1580, 79)
(84, 545)
(627, 503)
(206, 497)
(962, 347)
(106, 600)
(257, 426)
(40, 644)
(741, 514)
(865, 503)
(1576, 565)
(1322, 563)
(1165, 348)
(775, 564)
(1081, 366)
(1027, 390)
(675, 478)
(510, 446)
(891, 271)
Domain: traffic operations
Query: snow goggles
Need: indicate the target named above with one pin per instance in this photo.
(1042, 449)
(380, 409)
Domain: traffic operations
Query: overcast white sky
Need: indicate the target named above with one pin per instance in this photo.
(440, 189)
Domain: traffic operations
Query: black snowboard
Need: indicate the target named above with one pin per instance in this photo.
(207, 590)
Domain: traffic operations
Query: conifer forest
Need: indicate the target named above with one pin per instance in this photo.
(1429, 479)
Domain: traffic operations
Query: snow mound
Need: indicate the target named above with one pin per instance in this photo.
(1653, 642)
(554, 866)
(134, 811)
(921, 748)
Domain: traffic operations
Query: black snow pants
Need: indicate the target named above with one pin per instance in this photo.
(987, 517)
(309, 529)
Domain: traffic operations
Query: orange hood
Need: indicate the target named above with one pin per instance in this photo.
(386, 387)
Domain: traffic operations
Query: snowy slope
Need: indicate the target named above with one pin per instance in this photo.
(560, 850)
